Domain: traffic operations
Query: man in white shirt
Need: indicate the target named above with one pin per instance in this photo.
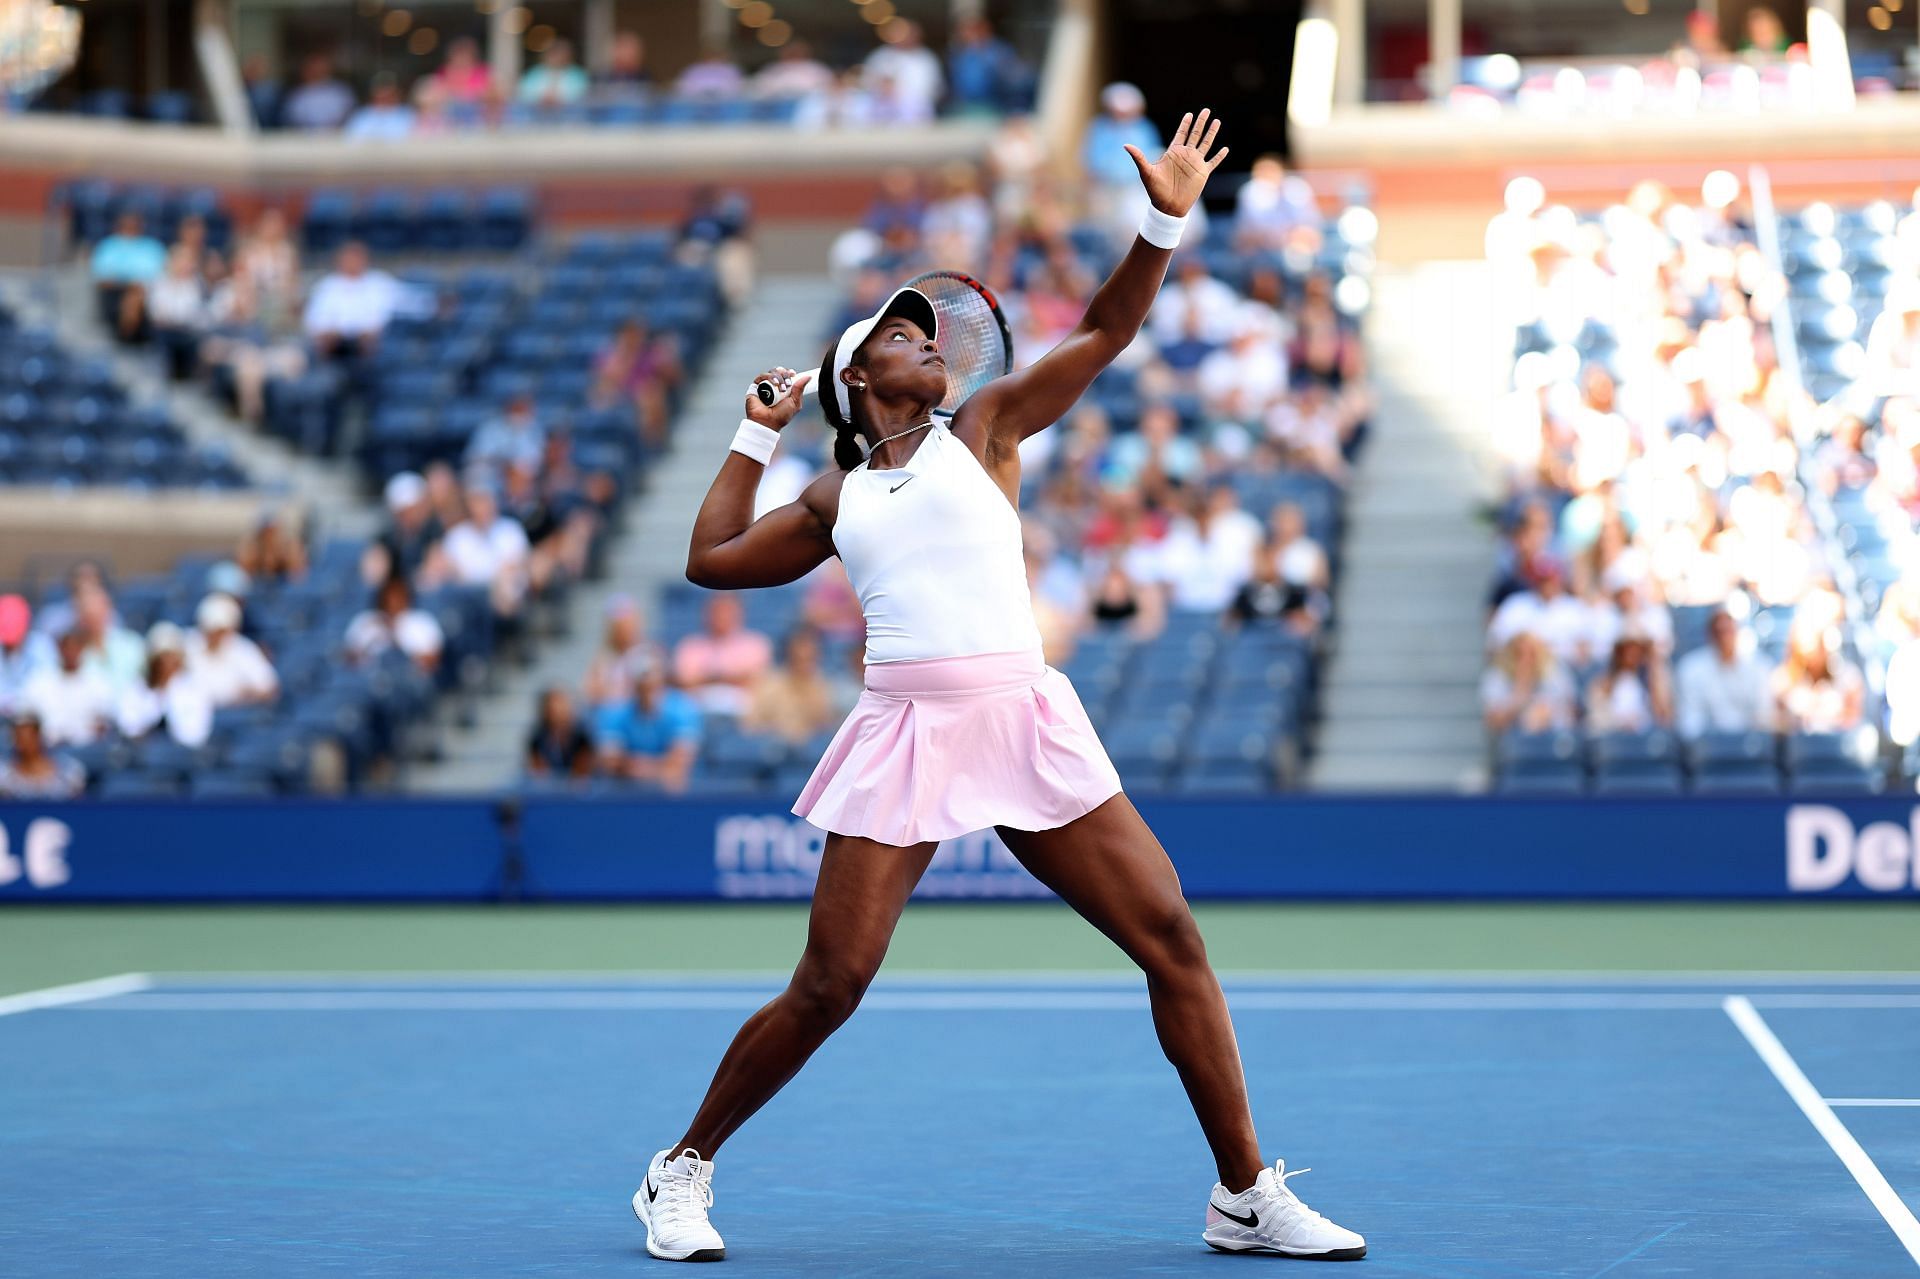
(394, 623)
(350, 307)
(1271, 204)
(1195, 294)
(73, 699)
(1208, 557)
(1720, 688)
(1242, 381)
(1548, 611)
(228, 667)
(912, 69)
(486, 547)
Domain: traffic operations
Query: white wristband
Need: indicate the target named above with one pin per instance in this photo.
(1161, 230)
(755, 441)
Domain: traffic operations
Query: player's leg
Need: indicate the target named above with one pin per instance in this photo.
(1108, 866)
(862, 889)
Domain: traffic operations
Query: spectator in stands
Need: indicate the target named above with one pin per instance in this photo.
(124, 265)
(167, 697)
(321, 102)
(263, 90)
(1269, 597)
(1559, 618)
(108, 647)
(351, 306)
(1060, 605)
(412, 529)
(624, 652)
(23, 651)
(487, 549)
(226, 664)
(908, 72)
(642, 368)
(270, 552)
(845, 104)
(177, 312)
(1273, 208)
(1766, 36)
(555, 81)
(794, 73)
(1197, 303)
(1527, 690)
(1243, 380)
(512, 437)
(464, 81)
(393, 623)
(1154, 455)
(1303, 561)
(32, 773)
(720, 665)
(1115, 197)
(1121, 599)
(957, 226)
(559, 745)
(651, 737)
(984, 75)
(713, 76)
(1816, 689)
(72, 700)
(1631, 695)
(626, 72)
(1208, 552)
(795, 700)
(1723, 686)
(830, 605)
(1702, 47)
(386, 117)
(1893, 343)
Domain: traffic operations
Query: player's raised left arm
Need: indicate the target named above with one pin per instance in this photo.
(1026, 402)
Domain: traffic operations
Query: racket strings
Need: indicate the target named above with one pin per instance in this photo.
(970, 338)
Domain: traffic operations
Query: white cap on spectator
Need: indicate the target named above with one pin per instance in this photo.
(404, 490)
(217, 613)
(165, 637)
(1121, 96)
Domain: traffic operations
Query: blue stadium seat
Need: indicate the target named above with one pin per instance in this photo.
(1565, 780)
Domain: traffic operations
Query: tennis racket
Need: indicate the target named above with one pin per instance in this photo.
(973, 336)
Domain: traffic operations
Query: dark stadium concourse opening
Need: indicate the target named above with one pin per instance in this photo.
(1235, 56)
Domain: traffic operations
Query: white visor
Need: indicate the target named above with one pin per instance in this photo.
(910, 304)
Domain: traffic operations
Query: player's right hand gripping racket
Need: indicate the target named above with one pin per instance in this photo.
(973, 337)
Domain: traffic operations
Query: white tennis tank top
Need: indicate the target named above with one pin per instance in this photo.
(933, 549)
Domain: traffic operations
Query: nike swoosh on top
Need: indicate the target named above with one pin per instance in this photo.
(651, 1192)
(1249, 1221)
(902, 484)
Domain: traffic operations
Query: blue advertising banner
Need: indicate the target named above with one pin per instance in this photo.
(1304, 847)
(246, 850)
(1297, 846)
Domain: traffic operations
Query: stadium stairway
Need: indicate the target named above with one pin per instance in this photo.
(1400, 704)
(62, 300)
(782, 324)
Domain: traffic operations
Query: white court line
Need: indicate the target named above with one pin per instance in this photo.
(77, 993)
(879, 1000)
(1094, 978)
(1873, 1101)
(1778, 1060)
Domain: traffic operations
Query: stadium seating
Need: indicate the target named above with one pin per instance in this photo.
(65, 420)
(331, 713)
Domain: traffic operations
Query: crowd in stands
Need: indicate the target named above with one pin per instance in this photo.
(901, 81)
(1671, 565)
(1181, 522)
(1765, 72)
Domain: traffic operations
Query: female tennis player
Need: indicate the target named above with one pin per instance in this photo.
(962, 725)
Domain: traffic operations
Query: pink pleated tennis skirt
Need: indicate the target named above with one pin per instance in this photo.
(949, 745)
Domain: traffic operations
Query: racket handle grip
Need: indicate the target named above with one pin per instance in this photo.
(769, 390)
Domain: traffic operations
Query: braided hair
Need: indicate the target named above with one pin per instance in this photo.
(847, 452)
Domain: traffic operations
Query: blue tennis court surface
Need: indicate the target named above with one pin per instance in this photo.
(182, 1126)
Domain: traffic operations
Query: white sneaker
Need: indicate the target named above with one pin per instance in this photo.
(1270, 1218)
(673, 1204)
